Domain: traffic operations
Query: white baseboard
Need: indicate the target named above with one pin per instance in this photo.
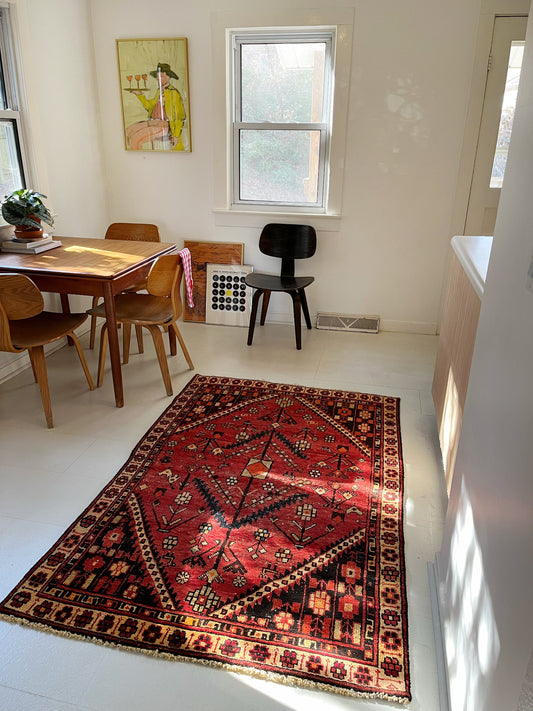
(14, 365)
(440, 651)
(427, 328)
(420, 327)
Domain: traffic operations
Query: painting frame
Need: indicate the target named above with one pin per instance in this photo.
(154, 89)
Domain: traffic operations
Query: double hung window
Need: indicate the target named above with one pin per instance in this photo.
(11, 156)
(282, 117)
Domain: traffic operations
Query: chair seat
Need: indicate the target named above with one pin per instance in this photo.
(138, 309)
(275, 282)
(44, 328)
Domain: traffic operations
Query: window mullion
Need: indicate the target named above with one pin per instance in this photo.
(9, 114)
(267, 126)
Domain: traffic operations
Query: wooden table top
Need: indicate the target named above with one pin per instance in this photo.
(84, 257)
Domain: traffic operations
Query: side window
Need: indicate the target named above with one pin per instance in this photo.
(11, 156)
(282, 117)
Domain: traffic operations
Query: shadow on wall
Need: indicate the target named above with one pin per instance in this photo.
(406, 122)
(472, 652)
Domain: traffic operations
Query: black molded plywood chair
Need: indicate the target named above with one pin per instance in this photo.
(289, 242)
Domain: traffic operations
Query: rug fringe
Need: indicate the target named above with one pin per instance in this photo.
(221, 666)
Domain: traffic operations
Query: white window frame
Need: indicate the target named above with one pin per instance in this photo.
(226, 214)
(12, 112)
(292, 36)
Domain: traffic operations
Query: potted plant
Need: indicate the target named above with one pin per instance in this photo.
(25, 209)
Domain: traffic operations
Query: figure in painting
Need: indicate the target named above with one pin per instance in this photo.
(166, 114)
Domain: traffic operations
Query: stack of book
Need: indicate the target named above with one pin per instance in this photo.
(34, 246)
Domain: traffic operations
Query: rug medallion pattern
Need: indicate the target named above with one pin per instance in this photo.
(256, 526)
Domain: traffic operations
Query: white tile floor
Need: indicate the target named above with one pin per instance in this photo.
(47, 477)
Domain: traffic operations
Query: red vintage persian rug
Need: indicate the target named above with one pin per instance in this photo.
(257, 527)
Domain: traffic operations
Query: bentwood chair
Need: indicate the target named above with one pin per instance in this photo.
(137, 232)
(25, 326)
(159, 309)
(288, 242)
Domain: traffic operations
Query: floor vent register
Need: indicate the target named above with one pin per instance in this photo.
(347, 322)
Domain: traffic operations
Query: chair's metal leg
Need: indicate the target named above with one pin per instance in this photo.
(296, 307)
(264, 309)
(253, 315)
(305, 308)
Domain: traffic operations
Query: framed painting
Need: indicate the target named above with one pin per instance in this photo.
(154, 86)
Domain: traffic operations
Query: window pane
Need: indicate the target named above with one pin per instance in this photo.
(283, 82)
(11, 176)
(3, 98)
(507, 116)
(279, 166)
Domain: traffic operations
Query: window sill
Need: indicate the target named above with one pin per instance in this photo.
(257, 218)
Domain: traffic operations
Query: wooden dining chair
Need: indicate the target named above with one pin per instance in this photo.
(24, 325)
(289, 242)
(136, 232)
(157, 310)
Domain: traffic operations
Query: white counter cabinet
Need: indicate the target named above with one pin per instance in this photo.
(468, 271)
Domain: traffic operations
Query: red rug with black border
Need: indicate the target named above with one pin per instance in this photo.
(256, 527)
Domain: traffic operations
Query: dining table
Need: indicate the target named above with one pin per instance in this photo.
(90, 267)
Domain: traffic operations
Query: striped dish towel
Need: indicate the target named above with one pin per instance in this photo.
(187, 270)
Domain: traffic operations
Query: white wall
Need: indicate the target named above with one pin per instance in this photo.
(412, 64)
(56, 65)
(409, 87)
(486, 578)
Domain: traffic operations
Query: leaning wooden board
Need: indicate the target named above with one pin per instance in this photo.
(203, 253)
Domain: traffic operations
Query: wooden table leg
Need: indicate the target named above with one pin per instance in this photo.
(114, 351)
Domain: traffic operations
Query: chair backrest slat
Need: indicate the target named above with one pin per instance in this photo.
(288, 242)
(134, 231)
(165, 279)
(292, 241)
(20, 297)
(6, 344)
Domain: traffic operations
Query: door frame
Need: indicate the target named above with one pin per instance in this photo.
(491, 9)
(475, 110)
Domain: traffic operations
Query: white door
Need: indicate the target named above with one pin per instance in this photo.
(496, 124)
